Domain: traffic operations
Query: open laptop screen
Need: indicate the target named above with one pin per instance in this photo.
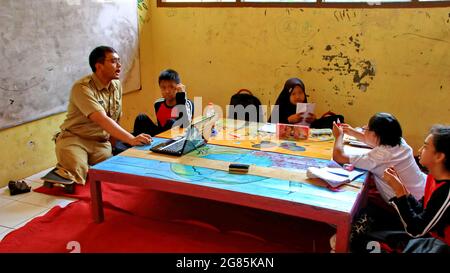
(194, 135)
(192, 139)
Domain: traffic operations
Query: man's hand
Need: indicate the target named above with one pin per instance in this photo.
(118, 132)
(141, 139)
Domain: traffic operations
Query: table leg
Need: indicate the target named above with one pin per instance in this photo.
(96, 201)
(342, 237)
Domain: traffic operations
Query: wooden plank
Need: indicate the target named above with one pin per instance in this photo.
(278, 173)
(297, 192)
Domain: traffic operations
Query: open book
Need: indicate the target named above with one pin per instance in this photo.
(333, 176)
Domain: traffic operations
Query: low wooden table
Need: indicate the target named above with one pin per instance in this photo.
(277, 182)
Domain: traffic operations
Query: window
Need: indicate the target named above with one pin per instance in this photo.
(304, 3)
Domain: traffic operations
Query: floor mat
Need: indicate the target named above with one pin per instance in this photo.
(71, 228)
(294, 233)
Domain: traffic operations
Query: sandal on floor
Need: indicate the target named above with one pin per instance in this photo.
(18, 187)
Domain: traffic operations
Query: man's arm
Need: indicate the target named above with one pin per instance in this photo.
(116, 131)
(112, 139)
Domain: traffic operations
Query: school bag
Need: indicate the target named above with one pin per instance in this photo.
(326, 121)
(245, 98)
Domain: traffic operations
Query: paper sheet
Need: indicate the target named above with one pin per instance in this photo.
(268, 127)
(305, 108)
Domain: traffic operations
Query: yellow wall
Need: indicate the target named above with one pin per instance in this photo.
(28, 149)
(400, 56)
(356, 62)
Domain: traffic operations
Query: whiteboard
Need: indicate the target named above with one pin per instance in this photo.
(45, 46)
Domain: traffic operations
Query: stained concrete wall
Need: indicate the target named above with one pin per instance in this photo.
(355, 62)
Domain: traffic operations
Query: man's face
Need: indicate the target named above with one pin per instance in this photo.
(168, 89)
(110, 69)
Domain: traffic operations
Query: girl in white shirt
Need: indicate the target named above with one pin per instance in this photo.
(384, 134)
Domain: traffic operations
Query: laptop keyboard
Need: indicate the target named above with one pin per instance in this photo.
(174, 147)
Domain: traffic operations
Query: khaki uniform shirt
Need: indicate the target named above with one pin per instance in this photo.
(89, 95)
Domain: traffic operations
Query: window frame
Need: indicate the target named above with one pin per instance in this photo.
(317, 4)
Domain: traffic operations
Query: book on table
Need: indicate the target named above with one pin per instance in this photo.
(333, 176)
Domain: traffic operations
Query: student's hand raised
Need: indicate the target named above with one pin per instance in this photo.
(337, 131)
(141, 139)
(393, 180)
(347, 129)
(181, 87)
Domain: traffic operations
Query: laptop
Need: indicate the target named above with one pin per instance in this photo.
(182, 145)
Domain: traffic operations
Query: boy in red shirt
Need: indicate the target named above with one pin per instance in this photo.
(173, 109)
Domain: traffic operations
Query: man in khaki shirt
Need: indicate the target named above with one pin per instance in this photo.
(95, 106)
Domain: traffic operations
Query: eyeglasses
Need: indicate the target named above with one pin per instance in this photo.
(365, 128)
(114, 60)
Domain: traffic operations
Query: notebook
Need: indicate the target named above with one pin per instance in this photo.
(268, 128)
(182, 145)
(333, 176)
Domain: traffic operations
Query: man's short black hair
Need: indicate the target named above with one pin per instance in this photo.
(98, 55)
(441, 141)
(169, 75)
(387, 128)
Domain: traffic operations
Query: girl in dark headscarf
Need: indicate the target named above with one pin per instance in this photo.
(294, 92)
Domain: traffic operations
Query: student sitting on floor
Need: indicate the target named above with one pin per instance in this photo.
(173, 109)
(430, 215)
(294, 92)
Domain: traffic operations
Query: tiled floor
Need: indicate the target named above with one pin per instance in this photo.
(17, 210)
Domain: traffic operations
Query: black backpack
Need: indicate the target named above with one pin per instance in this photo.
(245, 98)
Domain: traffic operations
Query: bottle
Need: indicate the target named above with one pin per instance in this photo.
(211, 112)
